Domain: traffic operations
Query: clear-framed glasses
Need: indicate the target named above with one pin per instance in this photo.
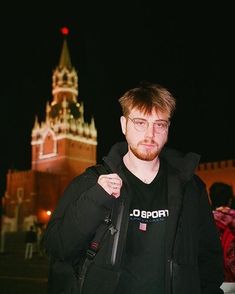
(141, 124)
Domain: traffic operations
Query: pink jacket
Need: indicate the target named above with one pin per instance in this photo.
(225, 221)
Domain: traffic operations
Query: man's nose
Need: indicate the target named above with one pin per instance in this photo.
(150, 130)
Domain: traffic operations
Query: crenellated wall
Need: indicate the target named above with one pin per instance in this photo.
(218, 171)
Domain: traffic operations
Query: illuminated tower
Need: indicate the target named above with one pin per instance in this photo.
(64, 143)
(62, 147)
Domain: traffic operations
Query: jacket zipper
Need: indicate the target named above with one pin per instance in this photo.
(117, 235)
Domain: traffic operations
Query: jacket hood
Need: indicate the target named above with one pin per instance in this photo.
(184, 164)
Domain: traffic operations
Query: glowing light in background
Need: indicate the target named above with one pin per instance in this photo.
(48, 212)
(64, 31)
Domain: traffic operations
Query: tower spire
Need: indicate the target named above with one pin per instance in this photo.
(65, 61)
(65, 78)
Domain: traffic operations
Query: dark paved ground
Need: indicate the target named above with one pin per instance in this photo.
(20, 276)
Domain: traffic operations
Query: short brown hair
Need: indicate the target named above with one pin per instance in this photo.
(146, 97)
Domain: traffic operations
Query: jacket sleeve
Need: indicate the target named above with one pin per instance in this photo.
(210, 250)
(80, 210)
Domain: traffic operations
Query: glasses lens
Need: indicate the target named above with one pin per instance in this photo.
(140, 124)
(160, 126)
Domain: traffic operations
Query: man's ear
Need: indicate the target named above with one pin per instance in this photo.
(123, 124)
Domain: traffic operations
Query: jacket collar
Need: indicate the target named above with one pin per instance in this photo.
(184, 164)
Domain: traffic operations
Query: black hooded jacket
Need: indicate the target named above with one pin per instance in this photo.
(193, 251)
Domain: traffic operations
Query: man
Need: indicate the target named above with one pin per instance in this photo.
(30, 240)
(165, 240)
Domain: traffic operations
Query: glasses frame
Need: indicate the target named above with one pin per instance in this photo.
(159, 131)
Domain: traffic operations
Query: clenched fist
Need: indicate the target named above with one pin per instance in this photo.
(111, 183)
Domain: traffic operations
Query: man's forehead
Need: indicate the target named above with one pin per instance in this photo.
(153, 114)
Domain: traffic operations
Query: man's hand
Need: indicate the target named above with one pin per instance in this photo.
(111, 183)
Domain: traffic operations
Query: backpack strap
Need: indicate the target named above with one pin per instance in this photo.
(94, 247)
(100, 234)
(100, 169)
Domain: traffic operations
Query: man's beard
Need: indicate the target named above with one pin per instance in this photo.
(146, 155)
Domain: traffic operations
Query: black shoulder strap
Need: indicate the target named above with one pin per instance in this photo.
(100, 169)
(94, 247)
(101, 232)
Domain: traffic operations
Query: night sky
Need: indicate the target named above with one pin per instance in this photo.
(114, 46)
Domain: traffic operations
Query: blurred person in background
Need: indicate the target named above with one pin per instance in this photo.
(221, 196)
